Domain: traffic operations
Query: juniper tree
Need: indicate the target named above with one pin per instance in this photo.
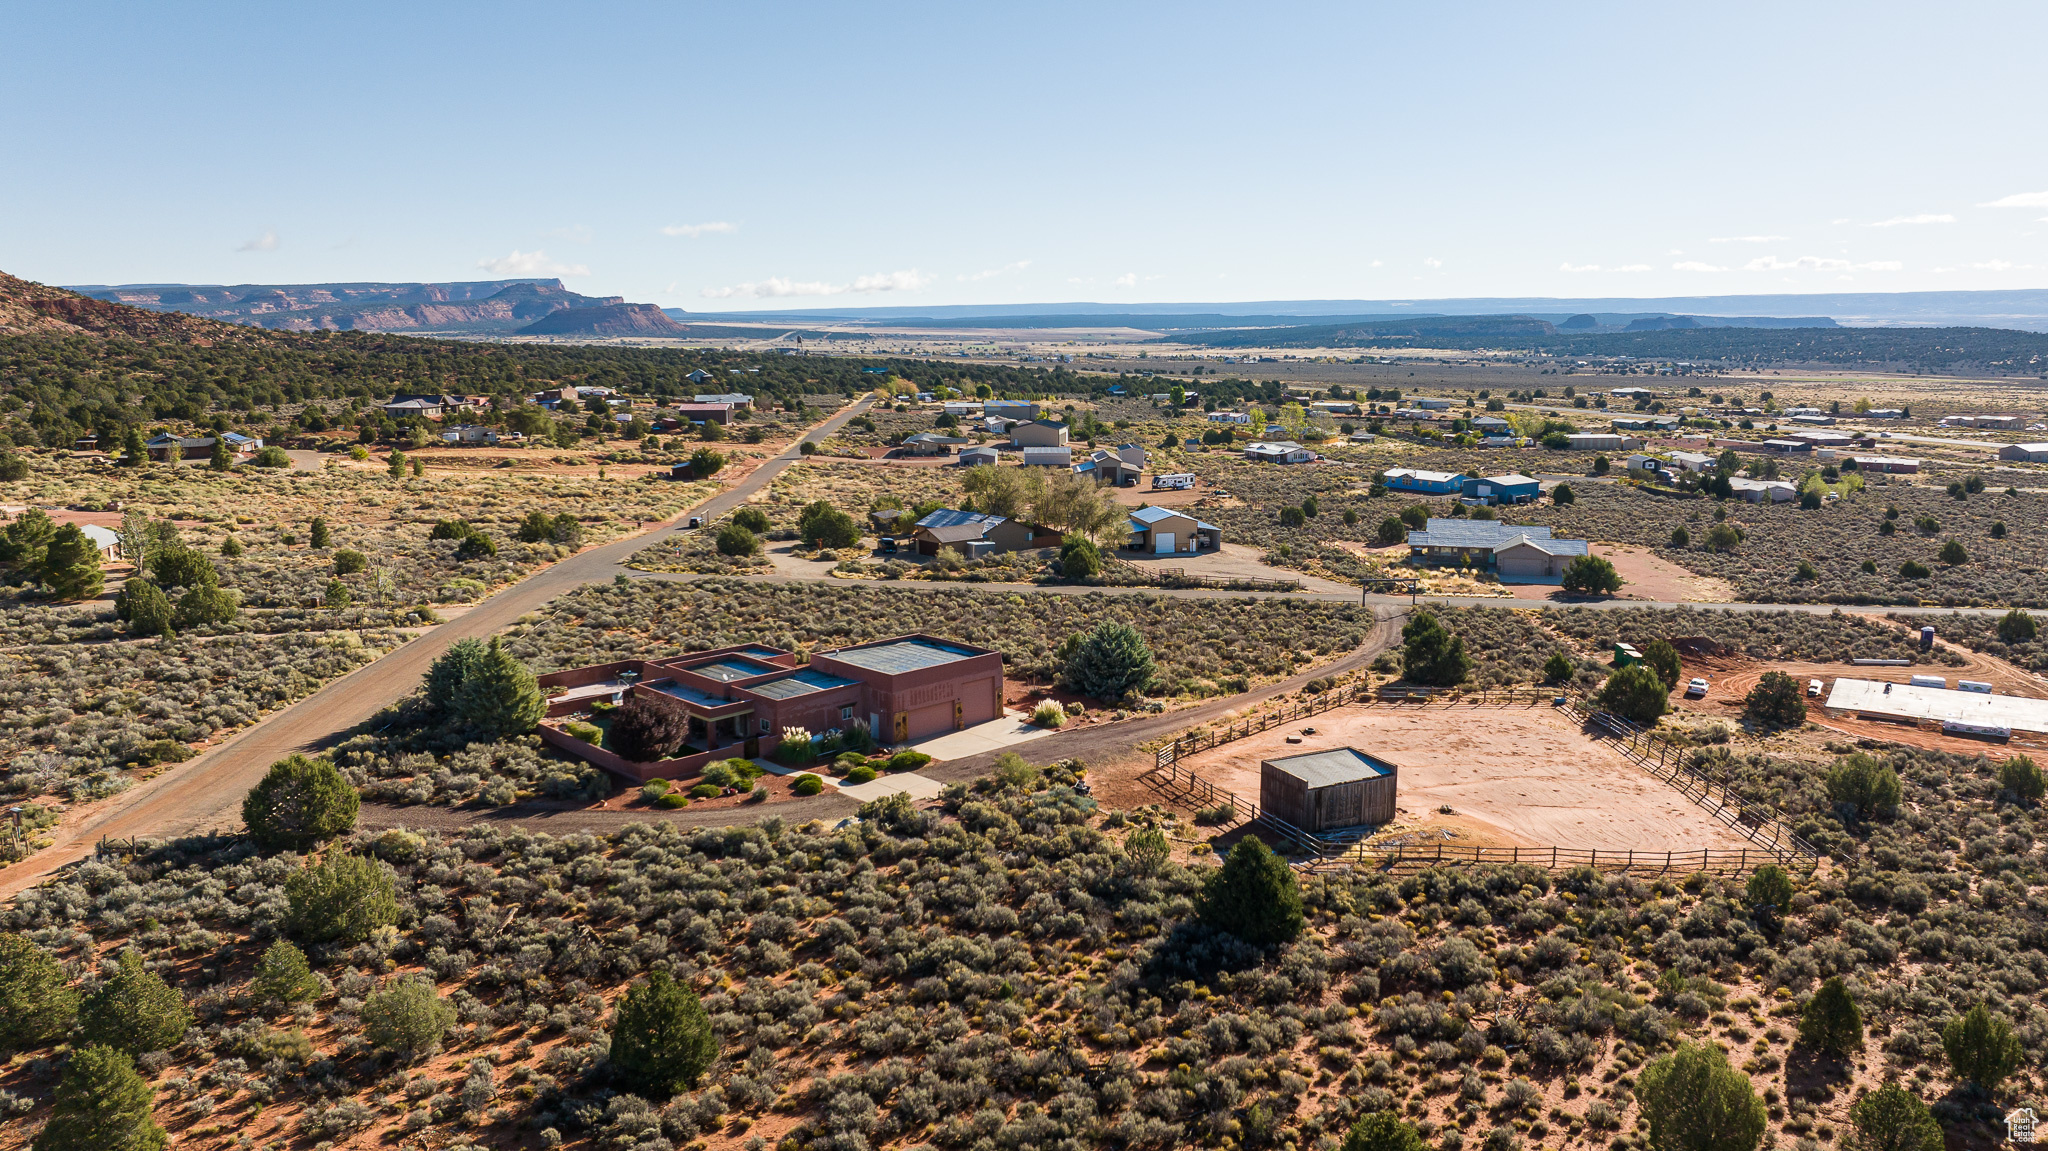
(662, 1041)
(1892, 1118)
(1982, 1048)
(101, 1105)
(135, 1011)
(35, 1005)
(500, 697)
(1110, 662)
(284, 975)
(1254, 896)
(299, 803)
(343, 897)
(1832, 1024)
(1694, 1101)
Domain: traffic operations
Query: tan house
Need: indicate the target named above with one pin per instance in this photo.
(974, 534)
(1039, 434)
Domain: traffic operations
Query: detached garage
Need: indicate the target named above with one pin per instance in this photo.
(1164, 531)
(1325, 790)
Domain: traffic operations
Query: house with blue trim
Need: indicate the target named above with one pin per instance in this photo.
(1417, 480)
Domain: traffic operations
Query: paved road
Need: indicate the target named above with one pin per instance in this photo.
(206, 793)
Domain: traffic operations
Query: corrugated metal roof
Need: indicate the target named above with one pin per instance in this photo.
(949, 517)
(1337, 765)
(799, 683)
(901, 656)
(1153, 515)
(1450, 533)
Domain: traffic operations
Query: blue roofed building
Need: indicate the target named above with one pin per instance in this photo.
(1417, 480)
(1517, 553)
(1508, 489)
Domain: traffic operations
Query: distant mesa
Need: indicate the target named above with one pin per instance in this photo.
(481, 307)
(1579, 323)
(1662, 324)
(614, 319)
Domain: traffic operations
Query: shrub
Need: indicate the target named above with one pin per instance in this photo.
(1775, 701)
(1723, 538)
(1147, 849)
(643, 730)
(1635, 693)
(408, 1018)
(135, 1011)
(1953, 553)
(35, 1005)
(589, 733)
(654, 789)
(1391, 531)
(673, 799)
(101, 1105)
(1432, 655)
(1558, 668)
(661, 1039)
(2021, 778)
(1110, 662)
(732, 772)
(753, 519)
(299, 803)
(144, 605)
(1913, 569)
(826, 526)
(271, 456)
(860, 773)
(796, 746)
(1080, 558)
(343, 897)
(207, 604)
(1868, 788)
(1892, 1118)
(499, 697)
(1694, 1101)
(1832, 1024)
(454, 529)
(1562, 493)
(284, 975)
(476, 546)
(1591, 575)
(1663, 659)
(1680, 538)
(1254, 896)
(807, 784)
(1013, 770)
(1982, 1048)
(348, 561)
(734, 540)
(2016, 626)
(1382, 1131)
(706, 462)
(1049, 713)
(908, 760)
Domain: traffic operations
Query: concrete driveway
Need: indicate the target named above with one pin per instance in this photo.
(1013, 728)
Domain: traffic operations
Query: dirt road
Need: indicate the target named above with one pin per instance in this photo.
(206, 793)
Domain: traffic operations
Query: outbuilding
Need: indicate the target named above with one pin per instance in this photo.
(1325, 790)
(2031, 453)
(1417, 480)
(1508, 489)
(1165, 531)
(1039, 434)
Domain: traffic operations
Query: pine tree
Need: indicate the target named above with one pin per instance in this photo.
(207, 603)
(1382, 1131)
(219, 460)
(1981, 1048)
(1432, 655)
(23, 542)
(662, 1041)
(1558, 668)
(343, 897)
(1864, 785)
(102, 1105)
(284, 975)
(35, 1005)
(1254, 896)
(1663, 659)
(1636, 694)
(71, 565)
(409, 1018)
(1694, 1101)
(1892, 1118)
(1110, 662)
(500, 697)
(133, 451)
(144, 605)
(1832, 1024)
(300, 803)
(446, 674)
(317, 534)
(135, 1011)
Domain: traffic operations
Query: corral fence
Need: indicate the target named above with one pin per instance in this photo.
(1761, 825)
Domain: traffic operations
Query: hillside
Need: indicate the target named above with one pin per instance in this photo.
(485, 307)
(29, 308)
(614, 319)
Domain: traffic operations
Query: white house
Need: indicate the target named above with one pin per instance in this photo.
(1758, 491)
(106, 540)
(1230, 417)
(1278, 452)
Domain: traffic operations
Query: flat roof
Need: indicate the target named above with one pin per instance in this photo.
(670, 687)
(800, 683)
(903, 655)
(1337, 765)
(730, 668)
(1946, 705)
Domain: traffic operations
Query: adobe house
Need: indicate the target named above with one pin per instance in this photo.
(739, 699)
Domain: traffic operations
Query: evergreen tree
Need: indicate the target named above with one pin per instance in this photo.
(1775, 701)
(1382, 1131)
(135, 1011)
(133, 451)
(343, 897)
(1558, 668)
(408, 1018)
(71, 565)
(23, 542)
(208, 603)
(284, 975)
(1663, 659)
(231, 548)
(35, 1005)
(662, 1041)
(1982, 1048)
(734, 540)
(317, 534)
(102, 1105)
(1832, 1024)
(1636, 694)
(1867, 787)
(1590, 575)
(446, 674)
(300, 803)
(1432, 655)
(1110, 662)
(1767, 893)
(826, 526)
(1694, 1101)
(2021, 778)
(1254, 896)
(1892, 1118)
(219, 459)
(146, 608)
(2016, 626)
(500, 697)
(175, 565)
(1080, 558)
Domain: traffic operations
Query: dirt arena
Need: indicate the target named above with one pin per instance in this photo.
(1514, 776)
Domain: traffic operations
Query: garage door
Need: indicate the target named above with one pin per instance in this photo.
(978, 701)
(1162, 542)
(929, 721)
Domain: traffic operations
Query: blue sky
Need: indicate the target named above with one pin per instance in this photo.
(790, 155)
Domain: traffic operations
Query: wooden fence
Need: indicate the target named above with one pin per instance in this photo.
(1762, 825)
(1416, 857)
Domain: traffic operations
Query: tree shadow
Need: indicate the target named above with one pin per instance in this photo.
(1195, 952)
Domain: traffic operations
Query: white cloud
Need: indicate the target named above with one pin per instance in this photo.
(1374, 264)
(1432, 262)
(991, 273)
(2019, 200)
(1633, 268)
(1695, 266)
(1127, 280)
(267, 242)
(2002, 266)
(715, 227)
(908, 280)
(534, 263)
(1922, 218)
(1818, 264)
(1568, 266)
(1747, 240)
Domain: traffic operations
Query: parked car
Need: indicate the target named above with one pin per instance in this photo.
(1813, 687)
(1696, 687)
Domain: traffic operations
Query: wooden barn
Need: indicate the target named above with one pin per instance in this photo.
(1321, 790)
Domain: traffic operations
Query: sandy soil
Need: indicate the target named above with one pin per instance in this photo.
(1518, 776)
(1234, 561)
(1652, 577)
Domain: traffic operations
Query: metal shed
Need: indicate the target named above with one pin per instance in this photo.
(1321, 790)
